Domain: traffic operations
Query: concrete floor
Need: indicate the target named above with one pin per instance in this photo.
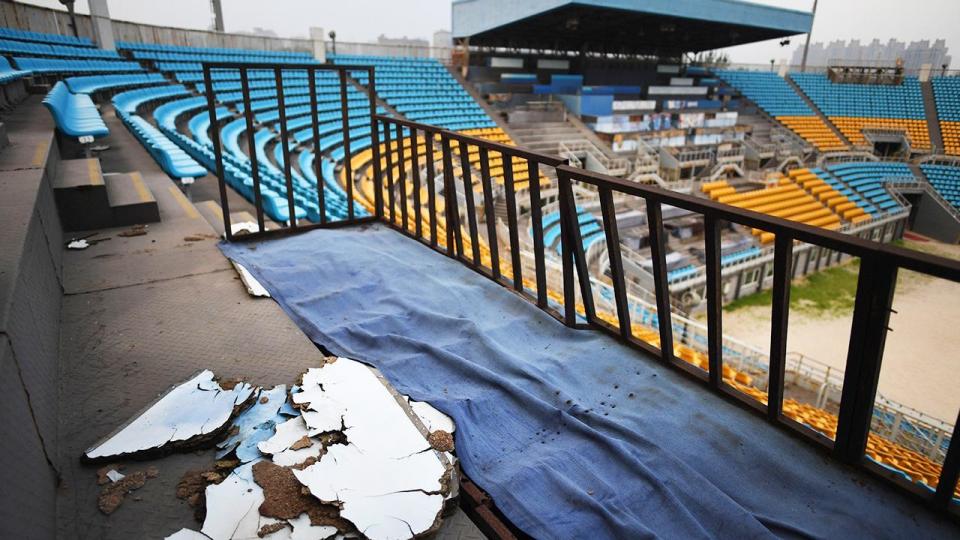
(141, 314)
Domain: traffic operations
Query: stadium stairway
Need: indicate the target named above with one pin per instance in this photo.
(813, 106)
(933, 122)
(87, 199)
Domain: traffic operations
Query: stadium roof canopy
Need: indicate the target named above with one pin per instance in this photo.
(623, 26)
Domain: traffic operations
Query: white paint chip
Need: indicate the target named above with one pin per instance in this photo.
(432, 419)
(255, 424)
(254, 288)
(114, 475)
(288, 434)
(195, 408)
(233, 509)
(387, 479)
(303, 530)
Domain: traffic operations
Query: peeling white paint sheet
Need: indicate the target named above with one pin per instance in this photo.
(233, 513)
(286, 435)
(254, 288)
(387, 479)
(432, 419)
(256, 424)
(197, 407)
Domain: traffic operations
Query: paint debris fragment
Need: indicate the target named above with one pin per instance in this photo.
(185, 416)
(112, 493)
(78, 244)
(254, 288)
(255, 424)
(441, 441)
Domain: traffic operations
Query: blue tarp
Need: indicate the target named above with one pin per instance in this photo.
(571, 433)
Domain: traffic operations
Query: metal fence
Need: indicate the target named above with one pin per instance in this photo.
(460, 219)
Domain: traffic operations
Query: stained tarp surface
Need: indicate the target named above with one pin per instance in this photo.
(572, 434)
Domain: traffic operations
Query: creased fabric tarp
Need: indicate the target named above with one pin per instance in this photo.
(571, 433)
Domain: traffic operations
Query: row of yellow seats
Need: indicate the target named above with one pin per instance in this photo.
(815, 131)
(918, 467)
(950, 132)
(829, 196)
(852, 127)
(787, 200)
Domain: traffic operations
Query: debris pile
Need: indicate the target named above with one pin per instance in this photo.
(340, 454)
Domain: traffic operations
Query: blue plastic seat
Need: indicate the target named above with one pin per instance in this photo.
(74, 114)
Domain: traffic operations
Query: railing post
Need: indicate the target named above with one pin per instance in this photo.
(868, 333)
(512, 226)
(251, 149)
(609, 215)
(431, 185)
(375, 143)
(218, 152)
(285, 141)
(536, 224)
(950, 472)
(464, 151)
(573, 244)
(488, 213)
(451, 206)
(658, 257)
(415, 174)
(315, 131)
(345, 123)
(402, 178)
(782, 258)
(388, 151)
(714, 301)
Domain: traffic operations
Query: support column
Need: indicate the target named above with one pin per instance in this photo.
(319, 45)
(217, 16)
(102, 25)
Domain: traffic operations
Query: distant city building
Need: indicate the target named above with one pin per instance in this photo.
(914, 55)
(402, 42)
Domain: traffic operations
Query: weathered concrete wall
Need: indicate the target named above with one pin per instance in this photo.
(38, 19)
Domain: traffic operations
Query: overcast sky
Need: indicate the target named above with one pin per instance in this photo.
(364, 20)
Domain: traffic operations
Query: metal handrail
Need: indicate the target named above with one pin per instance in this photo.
(466, 242)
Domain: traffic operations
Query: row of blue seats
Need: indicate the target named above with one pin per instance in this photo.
(686, 271)
(75, 114)
(57, 65)
(846, 191)
(90, 84)
(9, 74)
(768, 90)
(904, 100)
(869, 179)
(8, 46)
(206, 57)
(26, 35)
(169, 156)
(945, 179)
(946, 93)
(130, 100)
(132, 46)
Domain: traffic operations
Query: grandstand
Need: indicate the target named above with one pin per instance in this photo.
(623, 200)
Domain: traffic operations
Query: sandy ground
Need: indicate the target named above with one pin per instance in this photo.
(921, 364)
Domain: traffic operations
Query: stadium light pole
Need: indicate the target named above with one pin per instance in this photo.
(806, 46)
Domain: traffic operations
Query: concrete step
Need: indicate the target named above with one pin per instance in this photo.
(213, 213)
(81, 195)
(131, 201)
